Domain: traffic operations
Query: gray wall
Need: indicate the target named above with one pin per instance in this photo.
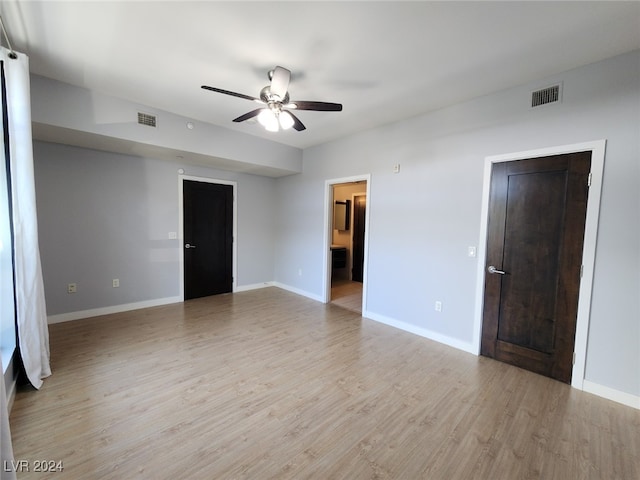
(424, 218)
(103, 216)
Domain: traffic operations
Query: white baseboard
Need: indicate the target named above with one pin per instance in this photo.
(13, 383)
(95, 312)
(11, 394)
(611, 394)
(297, 291)
(253, 286)
(423, 332)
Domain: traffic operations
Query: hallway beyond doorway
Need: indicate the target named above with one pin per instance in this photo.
(347, 294)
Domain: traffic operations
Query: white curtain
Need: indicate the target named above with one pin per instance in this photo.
(31, 312)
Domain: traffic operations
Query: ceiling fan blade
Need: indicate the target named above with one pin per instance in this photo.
(233, 94)
(297, 124)
(318, 106)
(248, 115)
(280, 77)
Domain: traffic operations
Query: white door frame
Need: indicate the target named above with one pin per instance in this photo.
(597, 149)
(328, 216)
(234, 248)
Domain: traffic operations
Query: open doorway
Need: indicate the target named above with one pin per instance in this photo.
(347, 240)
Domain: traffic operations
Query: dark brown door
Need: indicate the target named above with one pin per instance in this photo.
(208, 238)
(537, 210)
(359, 210)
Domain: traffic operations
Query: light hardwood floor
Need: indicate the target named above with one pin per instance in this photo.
(347, 294)
(269, 385)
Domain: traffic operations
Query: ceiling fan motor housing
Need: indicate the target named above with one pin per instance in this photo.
(267, 97)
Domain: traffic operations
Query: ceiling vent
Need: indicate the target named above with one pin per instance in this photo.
(546, 96)
(147, 119)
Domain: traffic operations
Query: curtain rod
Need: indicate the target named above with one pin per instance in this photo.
(12, 52)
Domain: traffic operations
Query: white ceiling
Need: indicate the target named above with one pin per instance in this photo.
(384, 61)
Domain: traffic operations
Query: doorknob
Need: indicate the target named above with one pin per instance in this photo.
(188, 245)
(493, 269)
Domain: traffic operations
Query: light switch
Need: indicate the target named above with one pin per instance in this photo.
(471, 251)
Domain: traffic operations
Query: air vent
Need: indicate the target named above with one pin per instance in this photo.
(545, 96)
(147, 119)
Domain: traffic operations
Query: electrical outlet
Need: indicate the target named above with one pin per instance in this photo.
(72, 288)
(438, 306)
(116, 282)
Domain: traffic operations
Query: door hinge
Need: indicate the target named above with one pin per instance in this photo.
(573, 361)
(581, 271)
(589, 177)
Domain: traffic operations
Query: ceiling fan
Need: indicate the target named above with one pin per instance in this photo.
(276, 113)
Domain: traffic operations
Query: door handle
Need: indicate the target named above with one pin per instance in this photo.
(493, 269)
(188, 245)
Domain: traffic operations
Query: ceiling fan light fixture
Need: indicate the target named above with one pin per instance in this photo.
(268, 120)
(286, 120)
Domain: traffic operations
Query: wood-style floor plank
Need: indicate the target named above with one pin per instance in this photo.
(270, 385)
(347, 294)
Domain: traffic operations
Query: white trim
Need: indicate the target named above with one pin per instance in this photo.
(11, 394)
(95, 312)
(298, 291)
(10, 370)
(254, 286)
(423, 332)
(328, 209)
(588, 254)
(234, 248)
(612, 394)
